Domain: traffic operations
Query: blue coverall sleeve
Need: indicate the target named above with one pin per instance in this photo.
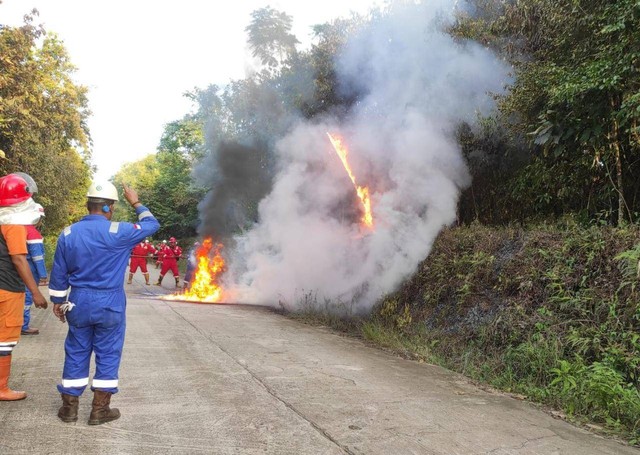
(146, 226)
(36, 253)
(59, 280)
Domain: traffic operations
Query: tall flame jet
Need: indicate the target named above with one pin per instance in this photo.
(362, 191)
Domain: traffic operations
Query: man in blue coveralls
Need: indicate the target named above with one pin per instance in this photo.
(91, 258)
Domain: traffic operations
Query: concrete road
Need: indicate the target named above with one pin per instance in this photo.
(232, 379)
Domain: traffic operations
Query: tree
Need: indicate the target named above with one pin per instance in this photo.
(141, 175)
(270, 37)
(329, 40)
(576, 93)
(174, 199)
(164, 182)
(43, 117)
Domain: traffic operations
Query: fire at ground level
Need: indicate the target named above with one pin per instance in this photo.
(168, 292)
(205, 266)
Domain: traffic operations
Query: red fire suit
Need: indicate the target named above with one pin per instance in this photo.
(170, 255)
(139, 257)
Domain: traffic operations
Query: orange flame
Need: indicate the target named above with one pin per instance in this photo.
(362, 191)
(204, 285)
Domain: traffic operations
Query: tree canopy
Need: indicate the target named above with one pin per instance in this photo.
(270, 37)
(43, 115)
(576, 96)
(163, 180)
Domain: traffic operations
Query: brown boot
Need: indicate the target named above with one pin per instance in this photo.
(159, 283)
(100, 410)
(177, 282)
(6, 394)
(68, 412)
(146, 278)
(130, 278)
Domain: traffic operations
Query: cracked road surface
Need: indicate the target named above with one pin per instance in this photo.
(231, 379)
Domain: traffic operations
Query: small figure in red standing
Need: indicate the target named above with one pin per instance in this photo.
(139, 255)
(170, 254)
(158, 253)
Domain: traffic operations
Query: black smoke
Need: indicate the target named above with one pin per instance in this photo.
(240, 177)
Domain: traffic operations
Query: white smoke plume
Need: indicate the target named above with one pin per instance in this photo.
(419, 83)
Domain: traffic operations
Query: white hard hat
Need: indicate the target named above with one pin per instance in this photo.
(103, 190)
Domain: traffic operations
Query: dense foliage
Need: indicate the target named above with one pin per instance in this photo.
(575, 98)
(43, 120)
(551, 313)
(164, 182)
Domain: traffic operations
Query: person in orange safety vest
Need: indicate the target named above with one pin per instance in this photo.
(15, 274)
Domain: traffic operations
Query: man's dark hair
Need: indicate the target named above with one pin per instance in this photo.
(95, 204)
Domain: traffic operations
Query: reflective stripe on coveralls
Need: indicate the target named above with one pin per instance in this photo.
(91, 258)
(102, 384)
(53, 293)
(75, 382)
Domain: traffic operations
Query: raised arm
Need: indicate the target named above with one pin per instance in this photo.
(147, 224)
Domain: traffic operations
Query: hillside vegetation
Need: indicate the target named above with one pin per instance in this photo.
(551, 313)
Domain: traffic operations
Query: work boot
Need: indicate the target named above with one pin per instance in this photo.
(100, 410)
(68, 412)
(6, 394)
(130, 278)
(159, 283)
(146, 278)
(30, 331)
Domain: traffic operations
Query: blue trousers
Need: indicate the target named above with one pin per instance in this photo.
(97, 325)
(28, 301)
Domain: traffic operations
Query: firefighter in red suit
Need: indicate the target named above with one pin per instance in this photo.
(170, 254)
(139, 255)
(157, 253)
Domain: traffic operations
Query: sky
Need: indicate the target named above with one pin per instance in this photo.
(138, 57)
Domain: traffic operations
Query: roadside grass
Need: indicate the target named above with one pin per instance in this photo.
(551, 313)
(333, 314)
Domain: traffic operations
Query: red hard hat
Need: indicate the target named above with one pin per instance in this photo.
(13, 190)
(33, 186)
(172, 239)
